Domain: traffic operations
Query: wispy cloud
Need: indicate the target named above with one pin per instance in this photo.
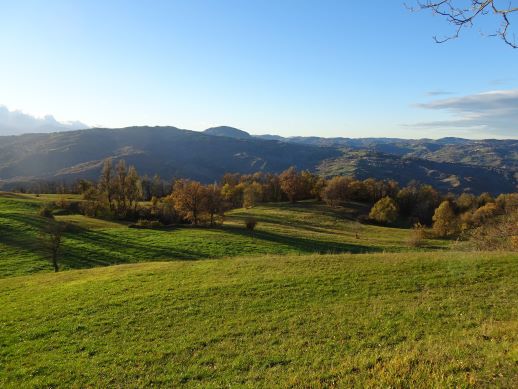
(438, 92)
(491, 113)
(17, 122)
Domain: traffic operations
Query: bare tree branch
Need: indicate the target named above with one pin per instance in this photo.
(463, 13)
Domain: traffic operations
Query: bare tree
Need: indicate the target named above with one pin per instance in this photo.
(464, 13)
(51, 238)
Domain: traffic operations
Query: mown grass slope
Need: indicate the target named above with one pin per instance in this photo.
(303, 228)
(386, 320)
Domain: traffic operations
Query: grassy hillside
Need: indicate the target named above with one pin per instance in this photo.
(283, 229)
(384, 320)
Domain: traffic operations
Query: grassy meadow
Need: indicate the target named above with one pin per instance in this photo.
(304, 228)
(385, 320)
(201, 307)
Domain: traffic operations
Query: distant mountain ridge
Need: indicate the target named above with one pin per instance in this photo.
(229, 132)
(167, 151)
(449, 164)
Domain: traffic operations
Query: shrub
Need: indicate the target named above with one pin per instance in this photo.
(417, 235)
(149, 223)
(500, 233)
(46, 211)
(445, 222)
(250, 224)
(484, 213)
(62, 202)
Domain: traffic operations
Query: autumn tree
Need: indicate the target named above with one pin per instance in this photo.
(106, 182)
(384, 211)
(485, 213)
(417, 235)
(189, 198)
(485, 198)
(233, 194)
(335, 192)
(291, 184)
(272, 190)
(508, 202)
(121, 174)
(466, 201)
(92, 203)
(444, 220)
(252, 194)
(214, 203)
(418, 202)
(133, 191)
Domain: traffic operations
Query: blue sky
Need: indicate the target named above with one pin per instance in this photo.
(290, 67)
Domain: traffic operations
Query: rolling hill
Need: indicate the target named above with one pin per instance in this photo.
(303, 228)
(449, 164)
(414, 320)
(168, 151)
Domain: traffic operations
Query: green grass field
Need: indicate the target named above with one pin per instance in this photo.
(200, 307)
(304, 228)
(384, 320)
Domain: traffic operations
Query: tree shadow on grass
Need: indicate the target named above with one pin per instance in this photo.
(85, 248)
(335, 216)
(92, 248)
(304, 245)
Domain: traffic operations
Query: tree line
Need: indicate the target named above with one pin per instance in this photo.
(488, 222)
(121, 193)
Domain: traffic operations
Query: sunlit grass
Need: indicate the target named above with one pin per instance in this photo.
(304, 228)
(384, 320)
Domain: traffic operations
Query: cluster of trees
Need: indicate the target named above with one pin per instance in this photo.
(120, 191)
(490, 223)
(117, 192)
(198, 203)
(249, 189)
(415, 201)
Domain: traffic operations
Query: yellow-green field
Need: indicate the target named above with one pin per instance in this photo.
(200, 307)
(384, 320)
(304, 228)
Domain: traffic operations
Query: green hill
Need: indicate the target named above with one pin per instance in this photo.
(370, 320)
(302, 228)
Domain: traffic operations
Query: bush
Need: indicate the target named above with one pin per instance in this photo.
(250, 224)
(143, 223)
(445, 223)
(500, 233)
(417, 235)
(46, 211)
(62, 202)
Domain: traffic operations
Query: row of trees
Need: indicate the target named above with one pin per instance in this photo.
(120, 191)
(117, 192)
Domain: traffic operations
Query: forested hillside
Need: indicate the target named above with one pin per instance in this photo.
(449, 164)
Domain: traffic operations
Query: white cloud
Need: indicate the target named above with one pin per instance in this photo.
(492, 113)
(17, 122)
